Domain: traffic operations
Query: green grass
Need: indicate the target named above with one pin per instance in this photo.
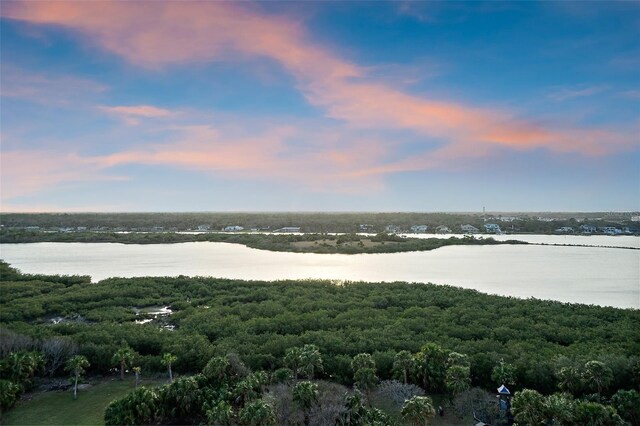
(59, 407)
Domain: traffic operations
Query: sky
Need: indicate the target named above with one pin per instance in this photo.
(319, 106)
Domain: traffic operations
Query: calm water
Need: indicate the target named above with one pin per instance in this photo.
(593, 275)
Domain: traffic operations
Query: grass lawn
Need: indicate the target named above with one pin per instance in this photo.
(59, 407)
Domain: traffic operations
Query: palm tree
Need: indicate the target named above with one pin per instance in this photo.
(560, 409)
(366, 380)
(310, 360)
(457, 379)
(418, 410)
(136, 370)
(220, 414)
(528, 407)
(306, 394)
(363, 360)
(456, 358)
(292, 359)
(123, 357)
(76, 366)
(569, 379)
(167, 360)
(258, 413)
(503, 373)
(597, 374)
(430, 365)
(403, 361)
(354, 409)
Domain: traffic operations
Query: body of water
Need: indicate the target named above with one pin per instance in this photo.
(592, 275)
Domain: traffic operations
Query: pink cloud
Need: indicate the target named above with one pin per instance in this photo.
(164, 33)
(30, 171)
(148, 111)
(324, 163)
(133, 113)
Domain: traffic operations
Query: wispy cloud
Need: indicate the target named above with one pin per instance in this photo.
(632, 94)
(324, 162)
(560, 94)
(43, 88)
(131, 114)
(27, 172)
(182, 33)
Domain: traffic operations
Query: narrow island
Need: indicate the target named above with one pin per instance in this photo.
(297, 243)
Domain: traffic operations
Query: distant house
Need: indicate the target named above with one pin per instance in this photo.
(443, 230)
(419, 228)
(508, 218)
(565, 230)
(546, 219)
(289, 229)
(587, 229)
(492, 228)
(203, 227)
(81, 228)
(469, 229)
(233, 228)
(157, 228)
(393, 229)
(610, 230)
(363, 227)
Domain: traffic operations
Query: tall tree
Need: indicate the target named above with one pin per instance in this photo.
(123, 357)
(76, 366)
(168, 360)
(366, 380)
(457, 379)
(137, 370)
(404, 362)
(528, 407)
(305, 394)
(559, 409)
(430, 363)
(597, 375)
(292, 359)
(418, 410)
(310, 360)
(504, 373)
(362, 360)
(258, 413)
(457, 359)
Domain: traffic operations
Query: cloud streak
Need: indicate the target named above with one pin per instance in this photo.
(324, 163)
(201, 32)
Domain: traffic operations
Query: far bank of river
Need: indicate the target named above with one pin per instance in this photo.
(591, 275)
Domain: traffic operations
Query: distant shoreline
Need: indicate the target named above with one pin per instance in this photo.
(295, 243)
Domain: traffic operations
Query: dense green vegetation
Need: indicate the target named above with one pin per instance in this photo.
(309, 222)
(307, 243)
(441, 339)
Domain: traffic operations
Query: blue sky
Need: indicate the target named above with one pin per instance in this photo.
(323, 106)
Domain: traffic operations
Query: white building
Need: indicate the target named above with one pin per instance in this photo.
(393, 229)
(469, 229)
(443, 230)
(565, 229)
(492, 228)
(289, 229)
(233, 228)
(419, 228)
